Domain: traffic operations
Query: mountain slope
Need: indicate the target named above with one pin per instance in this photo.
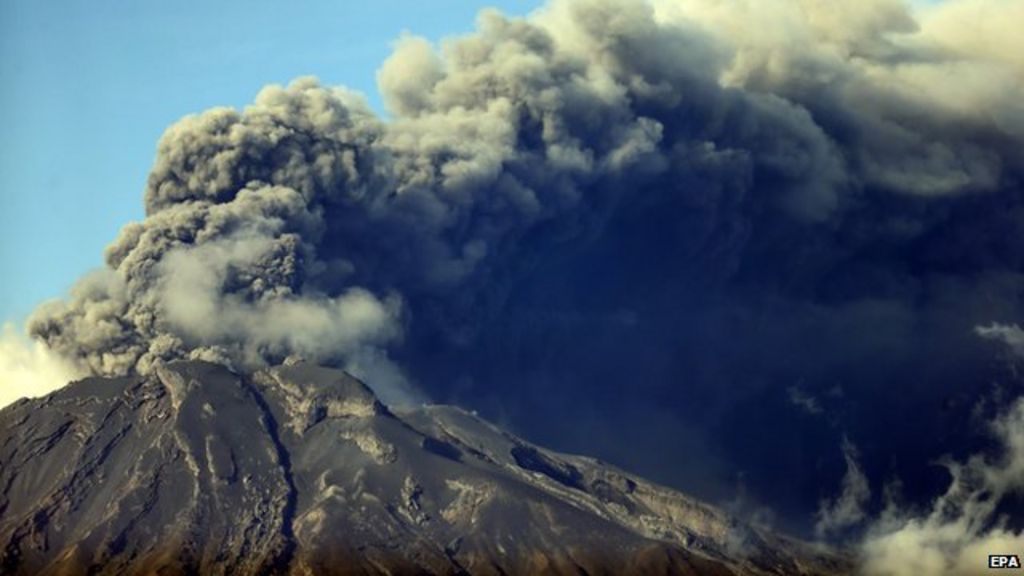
(301, 470)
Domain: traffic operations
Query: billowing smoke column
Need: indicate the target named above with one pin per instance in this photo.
(230, 263)
(675, 210)
(303, 223)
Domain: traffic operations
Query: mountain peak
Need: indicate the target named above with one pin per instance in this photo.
(300, 469)
(309, 393)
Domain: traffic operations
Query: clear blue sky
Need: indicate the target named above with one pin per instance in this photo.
(86, 89)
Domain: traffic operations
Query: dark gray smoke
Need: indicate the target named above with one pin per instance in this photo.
(660, 218)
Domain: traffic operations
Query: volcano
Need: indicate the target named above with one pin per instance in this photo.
(300, 469)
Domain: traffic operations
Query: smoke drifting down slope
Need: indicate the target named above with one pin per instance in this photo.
(682, 204)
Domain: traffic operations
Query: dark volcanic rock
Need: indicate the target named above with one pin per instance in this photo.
(301, 470)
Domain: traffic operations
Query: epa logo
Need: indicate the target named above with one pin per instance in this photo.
(1004, 561)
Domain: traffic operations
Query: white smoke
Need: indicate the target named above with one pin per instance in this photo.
(847, 509)
(955, 537)
(962, 527)
(29, 369)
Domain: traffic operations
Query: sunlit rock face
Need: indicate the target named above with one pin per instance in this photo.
(300, 469)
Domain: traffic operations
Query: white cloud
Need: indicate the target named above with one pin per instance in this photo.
(962, 528)
(29, 368)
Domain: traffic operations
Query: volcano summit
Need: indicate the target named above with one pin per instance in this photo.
(300, 469)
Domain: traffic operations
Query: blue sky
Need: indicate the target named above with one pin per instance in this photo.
(87, 89)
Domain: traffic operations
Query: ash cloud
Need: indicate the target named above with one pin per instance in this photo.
(607, 208)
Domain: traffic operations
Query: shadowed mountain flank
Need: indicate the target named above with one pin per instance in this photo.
(302, 470)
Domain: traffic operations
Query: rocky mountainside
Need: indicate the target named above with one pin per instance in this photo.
(301, 470)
